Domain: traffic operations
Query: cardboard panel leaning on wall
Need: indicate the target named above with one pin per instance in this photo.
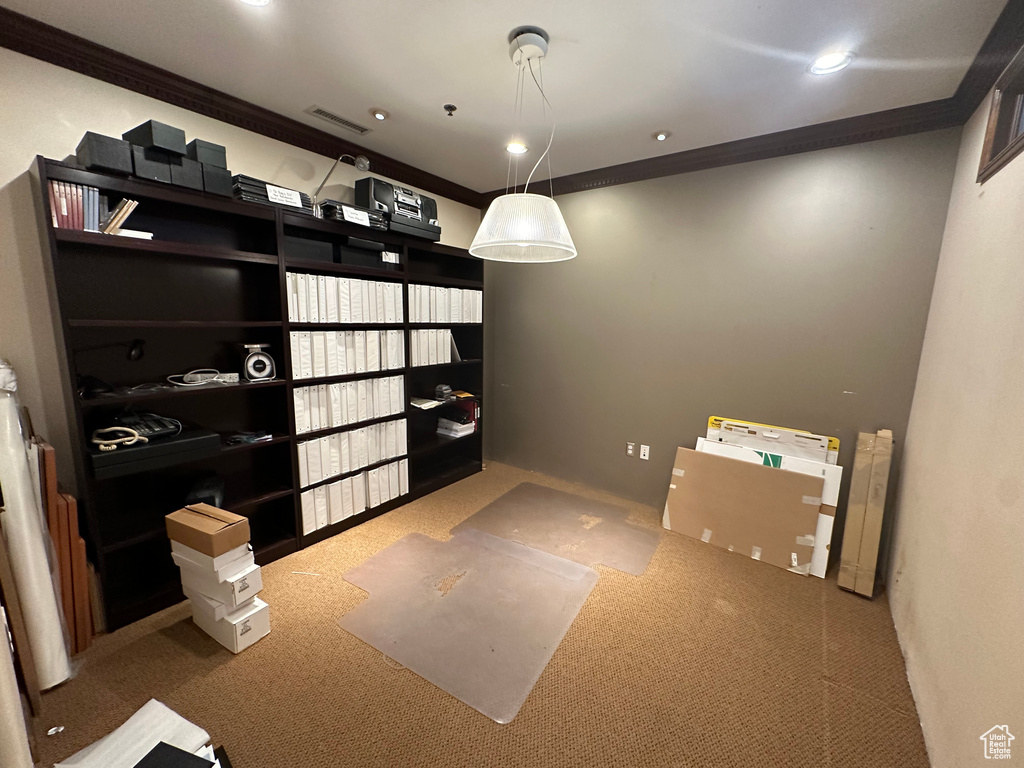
(46, 111)
(760, 512)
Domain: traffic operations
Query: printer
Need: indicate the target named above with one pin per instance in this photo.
(410, 213)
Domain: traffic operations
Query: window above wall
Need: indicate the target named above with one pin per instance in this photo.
(1004, 137)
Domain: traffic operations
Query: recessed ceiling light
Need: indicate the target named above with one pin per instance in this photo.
(516, 147)
(661, 135)
(256, 2)
(380, 114)
(828, 63)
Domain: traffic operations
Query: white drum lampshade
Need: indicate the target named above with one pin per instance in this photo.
(523, 227)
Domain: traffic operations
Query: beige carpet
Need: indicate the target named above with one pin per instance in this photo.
(708, 659)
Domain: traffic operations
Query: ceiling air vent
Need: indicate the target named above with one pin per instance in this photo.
(338, 120)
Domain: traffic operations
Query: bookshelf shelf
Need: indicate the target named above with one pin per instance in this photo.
(212, 279)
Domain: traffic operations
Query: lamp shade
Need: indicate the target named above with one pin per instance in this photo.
(523, 227)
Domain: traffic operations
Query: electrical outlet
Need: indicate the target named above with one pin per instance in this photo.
(630, 449)
(645, 452)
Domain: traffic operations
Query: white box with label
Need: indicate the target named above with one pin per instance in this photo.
(233, 591)
(238, 630)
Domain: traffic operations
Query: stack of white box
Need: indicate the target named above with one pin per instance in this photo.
(223, 593)
(221, 583)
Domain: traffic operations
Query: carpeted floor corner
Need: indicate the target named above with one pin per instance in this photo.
(709, 659)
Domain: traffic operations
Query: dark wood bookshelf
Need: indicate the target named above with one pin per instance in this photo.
(212, 279)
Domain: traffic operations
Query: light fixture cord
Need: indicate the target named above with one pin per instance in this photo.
(552, 137)
(517, 110)
(551, 183)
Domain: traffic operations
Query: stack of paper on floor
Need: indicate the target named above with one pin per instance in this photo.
(219, 574)
(780, 510)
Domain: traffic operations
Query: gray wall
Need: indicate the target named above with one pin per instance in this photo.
(791, 291)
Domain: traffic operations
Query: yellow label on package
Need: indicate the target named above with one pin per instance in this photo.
(715, 422)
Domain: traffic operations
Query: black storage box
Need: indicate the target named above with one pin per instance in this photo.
(216, 180)
(151, 164)
(207, 152)
(154, 135)
(186, 173)
(104, 153)
(303, 248)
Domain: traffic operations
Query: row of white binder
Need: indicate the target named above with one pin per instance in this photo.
(334, 502)
(437, 304)
(323, 406)
(345, 452)
(341, 353)
(327, 299)
(432, 346)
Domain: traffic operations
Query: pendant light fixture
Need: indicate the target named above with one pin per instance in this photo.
(523, 226)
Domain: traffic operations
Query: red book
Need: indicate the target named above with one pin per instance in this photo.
(79, 213)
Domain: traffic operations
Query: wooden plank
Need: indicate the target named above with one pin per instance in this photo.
(63, 546)
(50, 494)
(79, 578)
(16, 622)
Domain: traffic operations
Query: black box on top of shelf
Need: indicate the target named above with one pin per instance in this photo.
(308, 249)
(154, 135)
(207, 152)
(104, 153)
(217, 180)
(186, 172)
(151, 164)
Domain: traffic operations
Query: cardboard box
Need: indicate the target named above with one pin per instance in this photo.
(790, 442)
(831, 475)
(747, 508)
(865, 512)
(221, 566)
(238, 630)
(207, 529)
(234, 591)
(212, 608)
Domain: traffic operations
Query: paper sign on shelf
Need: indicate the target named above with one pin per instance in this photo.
(283, 196)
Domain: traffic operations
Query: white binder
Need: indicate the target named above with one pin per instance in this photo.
(305, 367)
(414, 356)
(314, 409)
(359, 493)
(293, 308)
(334, 391)
(403, 476)
(390, 440)
(381, 307)
(313, 460)
(424, 347)
(366, 287)
(403, 437)
(331, 345)
(332, 299)
(335, 506)
(397, 401)
(362, 401)
(301, 418)
(353, 402)
(350, 352)
(320, 498)
(373, 487)
(339, 341)
(372, 449)
(372, 350)
(384, 481)
(394, 480)
(360, 351)
(344, 303)
(325, 415)
(344, 453)
(308, 512)
(302, 297)
(313, 291)
(343, 404)
(382, 404)
(389, 302)
(319, 353)
(321, 294)
(432, 357)
(455, 305)
(445, 351)
(334, 450)
(356, 300)
(303, 465)
(346, 498)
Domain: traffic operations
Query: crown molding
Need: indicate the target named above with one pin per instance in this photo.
(41, 41)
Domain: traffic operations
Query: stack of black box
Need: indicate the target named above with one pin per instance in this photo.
(253, 190)
(158, 152)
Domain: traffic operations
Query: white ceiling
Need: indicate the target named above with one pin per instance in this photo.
(707, 70)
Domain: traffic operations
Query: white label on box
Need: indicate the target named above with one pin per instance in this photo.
(284, 196)
(355, 216)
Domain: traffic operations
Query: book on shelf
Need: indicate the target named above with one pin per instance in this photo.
(455, 430)
(75, 206)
